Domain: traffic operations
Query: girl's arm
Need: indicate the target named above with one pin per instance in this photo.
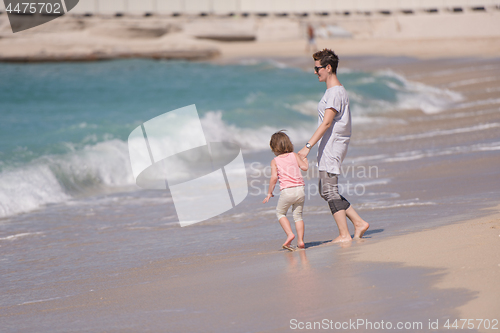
(302, 161)
(272, 182)
(320, 131)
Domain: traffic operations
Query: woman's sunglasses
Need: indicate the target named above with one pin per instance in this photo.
(317, 68)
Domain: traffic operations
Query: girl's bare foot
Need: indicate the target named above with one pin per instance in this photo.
(289, 240)
(301, 245)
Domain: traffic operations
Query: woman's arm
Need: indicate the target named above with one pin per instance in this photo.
(272, 181)
(302, 161)
(320, 131)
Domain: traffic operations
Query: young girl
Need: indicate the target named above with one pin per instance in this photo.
(285, 168)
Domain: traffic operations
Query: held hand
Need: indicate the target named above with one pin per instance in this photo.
(303, 152)
(267, 198)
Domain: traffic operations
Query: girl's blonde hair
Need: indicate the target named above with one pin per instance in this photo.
(280, 143)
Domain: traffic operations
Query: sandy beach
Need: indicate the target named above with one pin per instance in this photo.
(440, 264)
(464, 256)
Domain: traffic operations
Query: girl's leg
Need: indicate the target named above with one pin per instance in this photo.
(297, 209)
(299, 226)
(285, 224)
(281, 209)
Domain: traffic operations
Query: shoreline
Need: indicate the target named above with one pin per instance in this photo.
(220, 52)
(98, 56)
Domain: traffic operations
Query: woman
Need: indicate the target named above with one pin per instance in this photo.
(333, 134)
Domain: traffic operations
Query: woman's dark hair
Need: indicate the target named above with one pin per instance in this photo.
(327, 57)
(280, 143)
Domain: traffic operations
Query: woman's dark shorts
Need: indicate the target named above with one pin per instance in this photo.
(329, 190)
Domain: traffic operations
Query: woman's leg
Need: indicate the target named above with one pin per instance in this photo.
(340, 219)
(328, 187)
(360, 225)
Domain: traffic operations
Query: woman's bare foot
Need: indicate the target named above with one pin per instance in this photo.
(360, 228)
(301, 245)
(360, 225)
(342, 239)
(289, 240)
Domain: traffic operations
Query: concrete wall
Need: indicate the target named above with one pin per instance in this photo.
(224, 7)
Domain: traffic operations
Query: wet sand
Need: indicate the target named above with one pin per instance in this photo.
(265, 292)
(466, 256)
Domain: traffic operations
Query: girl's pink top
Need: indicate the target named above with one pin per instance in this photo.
(288, 171)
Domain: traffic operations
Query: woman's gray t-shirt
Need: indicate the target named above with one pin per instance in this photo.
(332, 147)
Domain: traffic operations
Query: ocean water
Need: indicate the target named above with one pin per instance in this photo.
(64, 126)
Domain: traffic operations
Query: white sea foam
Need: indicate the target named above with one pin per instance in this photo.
(490, 147)
(395, 204)
(457, 70)
(216, 129)
(17, 236)
(416, 95)
(479, 102)
(365, 120)
(270, 61)
(308, 108)
(46, 300)
(267, 212)
(359, 117)
(430, 134)
(409, 96)
(419, 154)
(455, 115)
(28, 188)
(472, 81)
(384, 195)
(120, 201)
(368, 158)
(372, 182)
(56, 178)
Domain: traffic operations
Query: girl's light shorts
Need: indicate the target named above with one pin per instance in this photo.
(291, 196)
